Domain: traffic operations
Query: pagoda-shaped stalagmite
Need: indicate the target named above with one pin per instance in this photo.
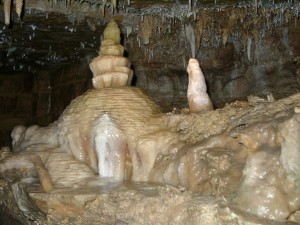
(111, 68)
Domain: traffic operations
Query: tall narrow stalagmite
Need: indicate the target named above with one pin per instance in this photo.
(198, 99)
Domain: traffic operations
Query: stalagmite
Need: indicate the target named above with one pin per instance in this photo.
(110, 68)
(249, 45)
(198, 99)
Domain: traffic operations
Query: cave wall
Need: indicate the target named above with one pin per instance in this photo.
(44, 65)
(39, 97)
(241, 52)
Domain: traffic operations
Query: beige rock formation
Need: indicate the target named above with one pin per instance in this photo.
(198, 98)
(128, 138)
(8, 11)
(110, 68)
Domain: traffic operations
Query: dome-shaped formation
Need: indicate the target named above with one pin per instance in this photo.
(110, 68)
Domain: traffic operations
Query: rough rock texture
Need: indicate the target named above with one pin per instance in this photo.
(39, 97)
(128, 204)
(128, 107)
(213, 165)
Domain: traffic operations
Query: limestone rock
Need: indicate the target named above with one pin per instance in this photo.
(198, 98)
(107, 67)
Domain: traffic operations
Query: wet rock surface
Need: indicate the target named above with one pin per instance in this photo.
(217, 162)
(135, 204)
(245, 156)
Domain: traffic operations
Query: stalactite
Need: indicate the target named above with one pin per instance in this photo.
(7, 10)
(128, 30)
(146, 29)
(249, 44)
(150, 55)
(184, 61)
(139, 41)
(190, 5)
(114, 5)
(225, 35)
(190, 36)
(198, 32)
(194, 15)
(103, 8)
(68, 2)
(19, 6)
(169, 28)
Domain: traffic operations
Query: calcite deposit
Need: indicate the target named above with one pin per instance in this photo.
(110, 68)
(198, 98)
(114, 158)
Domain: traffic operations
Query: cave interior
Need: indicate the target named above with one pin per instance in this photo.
(246, 50)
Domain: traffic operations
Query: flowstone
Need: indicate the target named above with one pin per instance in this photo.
(114, 158)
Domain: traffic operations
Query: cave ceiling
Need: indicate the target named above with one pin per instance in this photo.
(51, 33)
